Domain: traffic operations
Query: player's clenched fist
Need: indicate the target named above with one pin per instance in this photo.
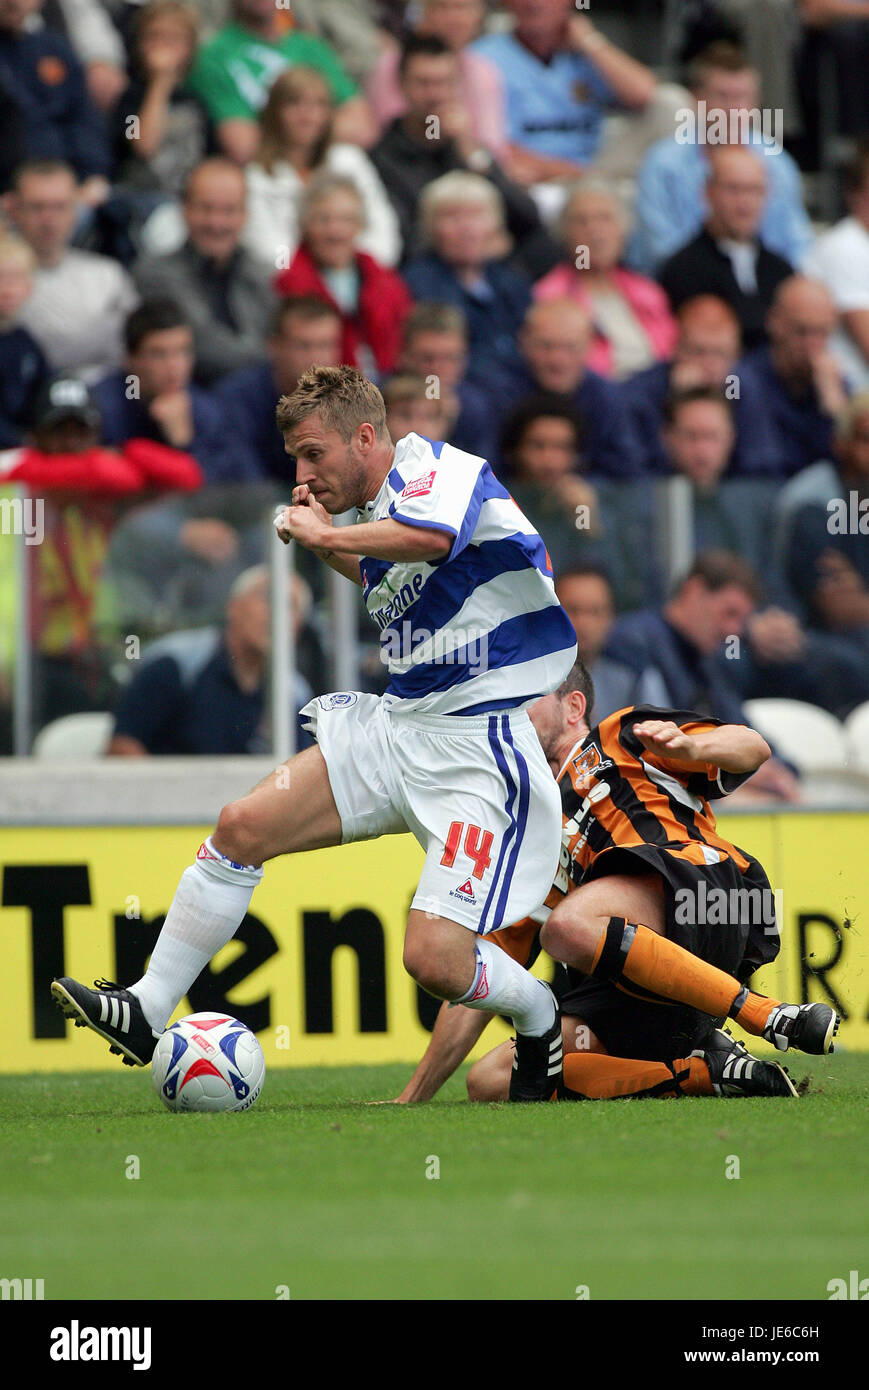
(664, 737)
(305, 521)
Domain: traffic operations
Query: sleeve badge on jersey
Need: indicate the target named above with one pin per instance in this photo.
(421, 486)
(342, 699)
(586, 767)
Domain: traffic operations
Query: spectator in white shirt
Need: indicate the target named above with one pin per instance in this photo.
(296, 143)
(840, 259)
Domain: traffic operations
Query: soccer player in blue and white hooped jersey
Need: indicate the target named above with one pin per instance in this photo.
(460, 586)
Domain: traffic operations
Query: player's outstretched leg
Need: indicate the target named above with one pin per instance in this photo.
(716, 1071)
(452, 963)
(629, 951)
(594, 1076)
(291, 809)
(206, 912)
(723, 1068)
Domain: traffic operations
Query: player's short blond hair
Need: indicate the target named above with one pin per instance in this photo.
(343, 398)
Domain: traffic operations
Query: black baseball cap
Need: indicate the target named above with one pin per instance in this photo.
(66, 398)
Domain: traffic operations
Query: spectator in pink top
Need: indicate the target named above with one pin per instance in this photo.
(633, 323)
(457, 23)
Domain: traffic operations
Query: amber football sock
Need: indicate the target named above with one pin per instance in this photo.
(693, 1076)
(751, 1011)
(596, 1076)
(633, 952)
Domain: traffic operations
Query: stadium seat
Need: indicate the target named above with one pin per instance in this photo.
(809, 737)
(857, 738)
(75, 736)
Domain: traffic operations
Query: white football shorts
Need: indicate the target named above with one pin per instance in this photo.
(477, 792)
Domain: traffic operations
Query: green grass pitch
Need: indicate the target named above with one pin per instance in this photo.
(316, 1191)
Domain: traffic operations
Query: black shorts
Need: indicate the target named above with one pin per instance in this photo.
(716, 911)
(630, 1027)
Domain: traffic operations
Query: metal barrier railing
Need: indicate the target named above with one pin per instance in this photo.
(658, 521)
(19, 577)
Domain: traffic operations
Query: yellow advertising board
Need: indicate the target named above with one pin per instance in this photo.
(316, 968)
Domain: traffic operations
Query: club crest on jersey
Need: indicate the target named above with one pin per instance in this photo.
(341, 700)
(419, 487)
(587, 765)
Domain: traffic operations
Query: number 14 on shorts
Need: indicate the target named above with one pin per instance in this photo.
(478, 844)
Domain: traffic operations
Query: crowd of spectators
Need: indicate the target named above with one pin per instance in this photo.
(599, 274)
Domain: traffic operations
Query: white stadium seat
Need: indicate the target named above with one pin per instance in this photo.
(857, 736)
(809, 737)
(75, 736)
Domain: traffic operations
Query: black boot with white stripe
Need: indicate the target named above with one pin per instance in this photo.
(538, 1064)
(735, 1072)
(114, 1013)
(809, 1027)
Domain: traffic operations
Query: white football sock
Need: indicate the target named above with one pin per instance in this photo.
(207, 910)
(501, 986)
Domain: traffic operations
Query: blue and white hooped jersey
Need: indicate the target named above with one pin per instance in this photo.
(481, 629)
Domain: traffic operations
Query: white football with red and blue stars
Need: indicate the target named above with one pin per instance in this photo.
(209, 1062)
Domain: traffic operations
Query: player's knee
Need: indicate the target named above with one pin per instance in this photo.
(414, 956)
(476, 1082)
(553, 934)
(237, 834)
(439, 955)
(421, 963)
(489, 1078)
(568, 938)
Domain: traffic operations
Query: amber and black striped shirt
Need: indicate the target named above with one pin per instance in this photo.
(616, 795)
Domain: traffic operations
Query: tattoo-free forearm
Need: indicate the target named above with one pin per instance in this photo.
(390, 540)
(455, 1032)
(733, 748)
